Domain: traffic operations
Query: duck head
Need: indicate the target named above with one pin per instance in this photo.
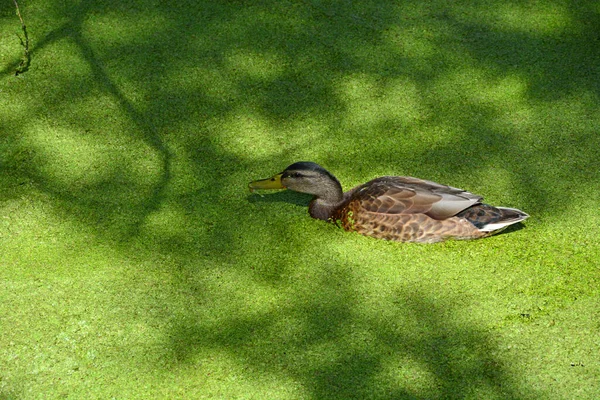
(305, 177)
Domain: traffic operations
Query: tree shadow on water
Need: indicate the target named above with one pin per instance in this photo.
(314, 48)
(333, 343)
(321, 336)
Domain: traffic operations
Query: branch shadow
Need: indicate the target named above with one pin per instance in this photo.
(409, 346)
(88, 199)
(315, 47)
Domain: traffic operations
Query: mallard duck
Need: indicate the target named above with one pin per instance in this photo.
(398, 208)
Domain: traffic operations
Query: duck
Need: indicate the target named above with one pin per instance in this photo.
(399, 208)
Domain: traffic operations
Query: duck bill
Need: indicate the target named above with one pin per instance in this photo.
(273, 182)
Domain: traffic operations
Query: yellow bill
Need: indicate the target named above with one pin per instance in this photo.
(273, 182)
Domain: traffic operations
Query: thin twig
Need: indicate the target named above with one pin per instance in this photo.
(26, 59)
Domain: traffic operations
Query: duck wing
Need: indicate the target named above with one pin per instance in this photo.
(407, 195)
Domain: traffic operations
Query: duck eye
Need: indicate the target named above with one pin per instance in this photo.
(295, 175)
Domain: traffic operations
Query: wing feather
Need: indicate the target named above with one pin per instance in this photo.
(407, 195)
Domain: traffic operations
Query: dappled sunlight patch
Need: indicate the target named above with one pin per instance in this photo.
(39, 239)
(412, 42)
(132, 30)
(85, 318)
(258, 139)
(533, 18)
(410, 374)
(67, 156)
(262, 139)
(575, 244)
(30, 229)
(497, 181)
(426, 45)
(9, 25)
(370, 101)
(252, 65)
(90, 165)
(170, 223)
(68, 65)
(574, 114)
(299, 136)
(519, 118)
(186, 175)
(463, 88)
(491, 109)
(503, 92)
(218, 371)
(226, 301)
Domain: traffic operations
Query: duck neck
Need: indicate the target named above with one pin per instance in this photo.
(324, 204)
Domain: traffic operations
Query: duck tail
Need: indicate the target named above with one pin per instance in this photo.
(492, 219)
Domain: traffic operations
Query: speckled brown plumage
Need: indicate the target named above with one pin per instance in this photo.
(408, 210)
(396, 208)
